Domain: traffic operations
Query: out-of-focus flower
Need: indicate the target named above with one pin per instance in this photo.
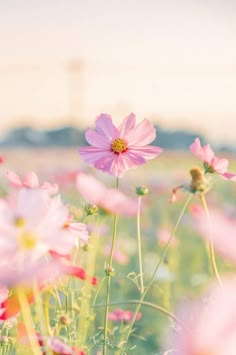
(209, 328)
(36, 224)
(111, 200)
(212, 164)
(116, 150)
(222, 228)
(118, 255)
(163, 236)
(60, 348)
(30, 180)
(120, 315)
(1, 159)
(3, 296)
(32, 231)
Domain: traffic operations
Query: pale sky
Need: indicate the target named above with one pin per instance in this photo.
(173, 61)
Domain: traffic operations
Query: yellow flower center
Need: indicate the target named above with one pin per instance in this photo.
(19, 222)
(119, 145)
(27, 240)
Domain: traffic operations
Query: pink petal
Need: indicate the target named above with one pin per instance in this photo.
(110, 165)
(14, 179)
(92, 154)
(96, 139)
(104, 125)
(127, 125)
(147, 152)
(52, 189)
(144, 133)
(31, 180)
(208, 154)
(196, 149)
(229, 176)
(90, 188)
(220, 165)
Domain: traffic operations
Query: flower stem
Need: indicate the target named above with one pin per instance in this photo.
(157, 267)
(211, 243)
(139, 246)
(28, 322)
(109, 266)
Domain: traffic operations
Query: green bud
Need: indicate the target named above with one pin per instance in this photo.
(90, 209)
(141, 190)
(109, 271)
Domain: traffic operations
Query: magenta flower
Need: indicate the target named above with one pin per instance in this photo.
(212, 164)
(115, 150)
(120, 315)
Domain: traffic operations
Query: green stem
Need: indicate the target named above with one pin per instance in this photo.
(93, 306)
(211, 243)
(109, 266)
(28, 322)
(46, 313)
(157, 266)
(139, 246)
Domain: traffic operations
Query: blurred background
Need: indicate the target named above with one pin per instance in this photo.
(63, 62)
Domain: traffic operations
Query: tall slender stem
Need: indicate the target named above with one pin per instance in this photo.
(26, 314)
(139, 246)
(211, 242)
(109, 270)
(157, 267)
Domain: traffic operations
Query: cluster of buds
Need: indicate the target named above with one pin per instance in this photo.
(198, 183)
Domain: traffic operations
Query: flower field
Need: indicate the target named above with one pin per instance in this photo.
(118, 247)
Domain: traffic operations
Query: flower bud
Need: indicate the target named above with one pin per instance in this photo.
(90, 209)
(199, 182)
(109, 271)
(64, 319)
(141, 190)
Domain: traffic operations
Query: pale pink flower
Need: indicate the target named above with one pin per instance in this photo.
(111, 200)
(222, 228)
(115, 150)
(212, 164)
(209, 328)
(36, 225)
(30, 180)
(120, 315)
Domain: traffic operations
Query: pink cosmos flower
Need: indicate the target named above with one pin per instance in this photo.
(115, 150)
(210, 328)
(111, 200)
(30, 231)
(120, 315)
(212, 164)
(30, 180)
